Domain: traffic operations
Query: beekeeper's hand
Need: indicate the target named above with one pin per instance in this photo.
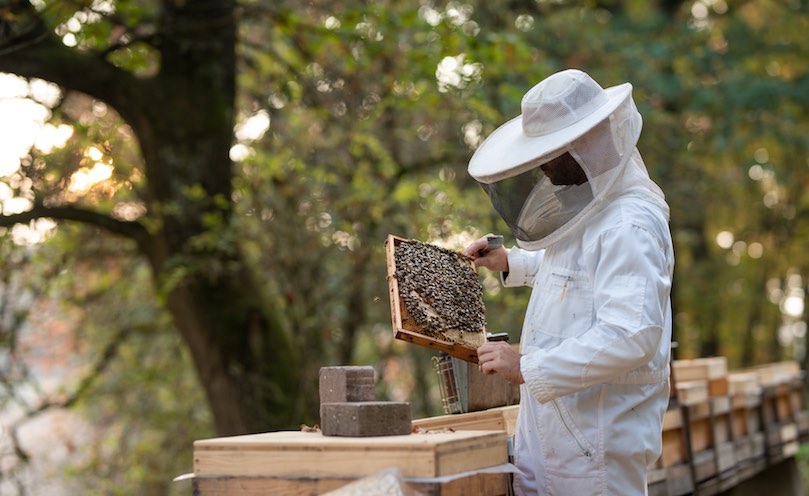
(499, 357)
(496, 259)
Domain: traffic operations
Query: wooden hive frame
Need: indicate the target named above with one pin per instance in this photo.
(404, 326)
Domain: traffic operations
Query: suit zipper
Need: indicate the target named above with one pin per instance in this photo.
(585, 451)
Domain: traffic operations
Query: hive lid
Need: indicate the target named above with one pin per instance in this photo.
(308, 454)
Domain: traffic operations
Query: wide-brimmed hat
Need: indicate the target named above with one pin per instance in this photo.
(555, 112)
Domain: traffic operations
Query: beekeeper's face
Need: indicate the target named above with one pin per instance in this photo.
(564, 171)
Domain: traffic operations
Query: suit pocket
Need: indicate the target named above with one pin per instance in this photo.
(566, 308)
(568, 451)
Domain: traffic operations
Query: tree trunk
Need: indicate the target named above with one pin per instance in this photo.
(183, 118)
(244, 362)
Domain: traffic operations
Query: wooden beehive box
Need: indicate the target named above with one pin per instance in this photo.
(294, 462)
(457, 343)
(496, 419)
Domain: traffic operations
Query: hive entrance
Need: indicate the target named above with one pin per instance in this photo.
(436, 298)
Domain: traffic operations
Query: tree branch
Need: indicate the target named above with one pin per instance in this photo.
(130, 229)
(110, 351)
(101, 364)
(29, 49)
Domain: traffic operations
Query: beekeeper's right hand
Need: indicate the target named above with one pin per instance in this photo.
(496, 259)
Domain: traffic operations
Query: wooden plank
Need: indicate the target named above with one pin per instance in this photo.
(692, 392)
(674, 447)
(743, 383)
(486, 391)
(674, 450)
(494, 419)
(708, 487)
(800, 412)
(744, 449)
(452, 349)
(679, 480)
(721, 419)
(776, 373)
(745, 471)
(283, 454)
(746, 400)
(658, 488)
(655, 475)
(718, 387)
(783, 403)
(483, 484)
(758, 444)
(802, 420)
(261, 486)
(672, 419)
(789, 432)
(704, 463)
(701, 431)
(740, 422)
(700, 368)
(728, 479)
(725, 456)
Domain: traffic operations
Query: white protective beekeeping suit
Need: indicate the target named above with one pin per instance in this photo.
(595, 343)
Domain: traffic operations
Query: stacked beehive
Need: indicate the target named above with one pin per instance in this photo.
(724, 427)
(361, 438)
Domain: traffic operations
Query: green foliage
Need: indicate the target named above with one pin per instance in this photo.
(374, 112)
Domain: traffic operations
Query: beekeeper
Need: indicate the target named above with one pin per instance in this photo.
(593, 242)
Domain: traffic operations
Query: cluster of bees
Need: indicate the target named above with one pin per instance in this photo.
(439, 288)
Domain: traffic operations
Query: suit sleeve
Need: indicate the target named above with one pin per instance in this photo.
(523, 266)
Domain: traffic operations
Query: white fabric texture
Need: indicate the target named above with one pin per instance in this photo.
(555, 112)
(596, 337)
(595, 344)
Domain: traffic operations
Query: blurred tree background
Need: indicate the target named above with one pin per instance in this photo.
(196, 224)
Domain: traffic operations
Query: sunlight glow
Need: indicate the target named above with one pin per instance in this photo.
(51, 137)
(473, 133)
(725, 239)
(239, 152)
(793, 305)
(24, 111)
(524, 22)
(69, 40)
(21, 120)
(85, 178)
(35, 232)
(15, 205)
(253, 127)
(430, 15)
(761, 155)
(46, 93)
(755, 250)
(331, 22)
(93, 153)
(129, 210)
(756, 172)
(453, 72)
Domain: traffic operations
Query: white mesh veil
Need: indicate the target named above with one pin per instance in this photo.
(540, 213)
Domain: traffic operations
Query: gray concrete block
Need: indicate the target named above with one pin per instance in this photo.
(366, 418)
(347, 384)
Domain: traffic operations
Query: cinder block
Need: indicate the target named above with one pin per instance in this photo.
(366, 418)
(347, 384)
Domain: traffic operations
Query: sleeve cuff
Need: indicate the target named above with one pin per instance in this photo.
(518, 270)
(532, 373)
